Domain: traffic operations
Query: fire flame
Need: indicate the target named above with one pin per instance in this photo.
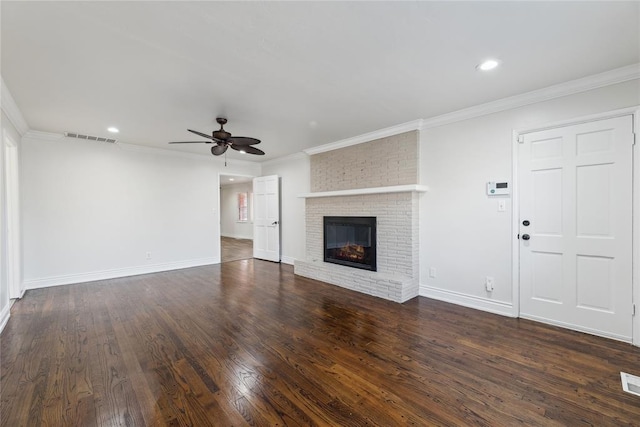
(351, 252)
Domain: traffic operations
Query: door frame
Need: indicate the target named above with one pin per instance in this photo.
(515, 208)
(11, 183)
(220, 174)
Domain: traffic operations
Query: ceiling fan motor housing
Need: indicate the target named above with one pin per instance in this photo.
(221, 134)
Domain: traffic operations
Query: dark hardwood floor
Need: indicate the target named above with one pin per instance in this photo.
(248, 343)
(235, 249)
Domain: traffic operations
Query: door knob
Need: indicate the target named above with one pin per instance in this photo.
(274, 223)
(525, 237)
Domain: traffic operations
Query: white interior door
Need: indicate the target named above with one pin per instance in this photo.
(266, 218)
(576, 251)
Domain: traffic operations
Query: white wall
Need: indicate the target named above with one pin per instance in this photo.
(94, 210)
(294, 180)
(463, 236)
(229, 224)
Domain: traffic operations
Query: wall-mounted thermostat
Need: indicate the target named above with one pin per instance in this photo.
(495, 188)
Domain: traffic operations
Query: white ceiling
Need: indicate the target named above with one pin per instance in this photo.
(293, 74)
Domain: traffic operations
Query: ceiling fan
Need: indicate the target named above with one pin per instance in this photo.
(224, 140)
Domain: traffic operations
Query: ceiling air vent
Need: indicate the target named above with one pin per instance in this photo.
(89, 137)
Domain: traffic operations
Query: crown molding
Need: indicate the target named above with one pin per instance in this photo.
(11, 109)
(126, 146)
(607, 78)
(300, 155)
(44, 136)
(618, 75)
(382, 133)
(155, 150)
(51, 136)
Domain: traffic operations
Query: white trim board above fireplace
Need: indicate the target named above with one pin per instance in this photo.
(375, 190)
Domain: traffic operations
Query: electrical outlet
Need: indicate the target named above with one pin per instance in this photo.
(488, 283)
(432, 272)
(148, 255)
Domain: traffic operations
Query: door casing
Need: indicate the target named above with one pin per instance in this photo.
(12, 217)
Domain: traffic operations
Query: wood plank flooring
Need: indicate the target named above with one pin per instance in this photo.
(235, 249)
(249, 343)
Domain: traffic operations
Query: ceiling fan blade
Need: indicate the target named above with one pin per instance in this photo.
(217, 150)
(190, 142)
(200, 133)
(243, 140)
(248, 149)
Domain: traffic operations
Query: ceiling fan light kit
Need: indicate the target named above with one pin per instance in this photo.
(223, 140)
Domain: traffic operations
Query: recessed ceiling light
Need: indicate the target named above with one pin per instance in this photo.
(487, 65)
(113, 130)
(231, 179)
(243, 152)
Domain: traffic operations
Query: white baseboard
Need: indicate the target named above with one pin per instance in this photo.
(471, 301)
(69, 279)
(4, 315)
(288, 260)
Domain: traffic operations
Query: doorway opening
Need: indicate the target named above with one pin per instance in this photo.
(236, 217)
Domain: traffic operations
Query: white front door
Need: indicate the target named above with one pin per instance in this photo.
(575, 186)
(266, 218)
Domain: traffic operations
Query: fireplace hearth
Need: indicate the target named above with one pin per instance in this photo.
(350, 241)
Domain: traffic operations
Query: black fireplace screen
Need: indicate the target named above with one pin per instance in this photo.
(350, 241)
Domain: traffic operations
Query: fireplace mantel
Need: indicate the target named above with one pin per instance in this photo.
(375, 190)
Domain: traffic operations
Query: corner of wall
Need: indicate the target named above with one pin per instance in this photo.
(288, 260)
(11, 109)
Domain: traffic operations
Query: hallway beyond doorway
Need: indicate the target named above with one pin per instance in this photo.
(235, 249)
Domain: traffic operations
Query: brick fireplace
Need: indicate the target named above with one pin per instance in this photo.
(377, 179)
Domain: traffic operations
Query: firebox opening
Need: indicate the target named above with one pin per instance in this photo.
(350, 241)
